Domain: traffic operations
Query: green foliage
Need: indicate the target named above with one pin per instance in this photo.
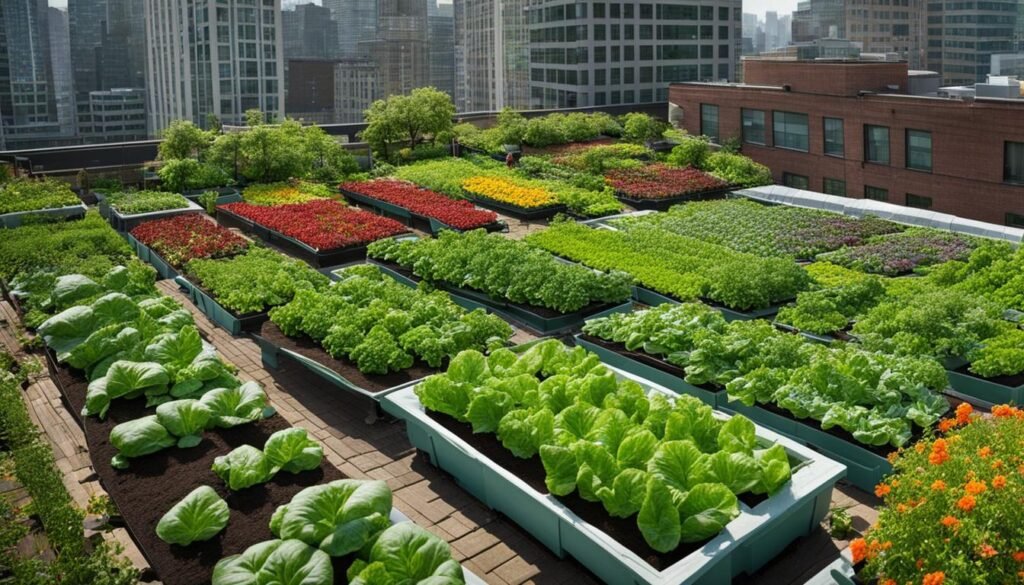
(546, 131)
(198, 517)
(641, 128)
(737, 169)
(731, 146)
(292, 450)
(511, 127)
(24, 194)
(339, 517)
(668, 461)
(423, 114)
(188, 174)
(183, 139)
(138, 202)
(208, 201)
(382, 325)
(275, 562)
(406, 553)
(243, 467)
(596, 160)
(831, 309)
(136, 438)
(504, 269)
(692, 152)
(255, 281)
(237, 405)
(840, 523)
(255, 117)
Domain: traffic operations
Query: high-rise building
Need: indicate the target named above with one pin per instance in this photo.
(626, 53)
(883, 26)
(117, 115)
(309, 95)
(122, 54)
(60, 63)
(785, 30)
(962, 37)
(400, 49)
(819, 19)
(441, 21)
(86, 22)
(771, 30)
(357, 24)
(28, 104)
(309, 32)
(213, 58)
(355, 88)
(492, 54)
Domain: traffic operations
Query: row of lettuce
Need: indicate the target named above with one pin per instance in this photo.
(98, 311)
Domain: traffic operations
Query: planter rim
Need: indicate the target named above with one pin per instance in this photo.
(809, 478)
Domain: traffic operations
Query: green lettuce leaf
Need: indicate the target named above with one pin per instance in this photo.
(293, 451)
(275, 562)
(705, 510)
(138, 437)
(237, 406)
(406, 553)
(658, 519)
(185, 419)
(199, 516)
(243, 467)
(340, 517)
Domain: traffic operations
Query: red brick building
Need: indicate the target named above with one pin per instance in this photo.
(849, 128)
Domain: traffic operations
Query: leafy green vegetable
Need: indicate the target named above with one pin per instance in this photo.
(339, 517)
(138, 202)
(275, 562)
(243, 467)
(138, 437)
(293, 451)
(199, 516)
(406, 553)
(256, 280)
(185, 419)
(237, 406)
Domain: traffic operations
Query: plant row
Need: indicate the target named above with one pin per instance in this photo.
(679, 266)
(24, 194)
(658, 181)
(670, 462)
(139, 202)
(504, 269)
(320, 224)
(384, 326)
(455, 213)
(183, 238)
(877, 398)
(903, 252)
(285, 193)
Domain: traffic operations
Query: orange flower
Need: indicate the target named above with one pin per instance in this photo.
(859, 550)
(984, 452)
(901, 508)
(1003, 411)
(939, 454)
(919, 447)
(882, 490)
(1019, 556)
(963, 413)
(946, 425)
(938, 485)
(936, 578)
(950, 522)
(888, 582)
(987, 551)
(997, 464)
(966, 503)
(999, 482)
(975, 487)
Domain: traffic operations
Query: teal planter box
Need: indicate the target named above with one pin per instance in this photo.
(16, 219)
(231, 322)
(864, 468)
(125, 223)
(164, 270)
(652, 298)
(839, 572)
(224, 195)
(746, 544)
(986, 390)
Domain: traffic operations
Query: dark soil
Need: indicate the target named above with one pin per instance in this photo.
(622, 530)
(152, 485)
(306, 347)
(1011, 381)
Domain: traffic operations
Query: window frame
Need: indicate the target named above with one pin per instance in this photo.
(776, 133)
(743, 127)
(884, 193)
(888, 145)
(842, 135)
(920, 201)
(824, 186)
(931, 150)
(1007, 178)
(787, 177)
(715, 139)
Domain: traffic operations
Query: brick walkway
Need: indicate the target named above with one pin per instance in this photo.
(486, 543)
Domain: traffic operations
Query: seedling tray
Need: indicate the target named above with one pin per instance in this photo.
(125, 223)
(998, 390)
(523, 213)
(538, 319)
(652, 298)
(17, 218)
(746, 544)
(224, 318)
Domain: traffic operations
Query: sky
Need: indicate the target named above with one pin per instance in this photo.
(755, 6)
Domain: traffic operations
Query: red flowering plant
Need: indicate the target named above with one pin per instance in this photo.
(953, 508)
(660, 181)
(321, 224)
(459, 214)
(187, 237)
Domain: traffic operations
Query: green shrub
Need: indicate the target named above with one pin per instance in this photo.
(738, 169)
(693, 152)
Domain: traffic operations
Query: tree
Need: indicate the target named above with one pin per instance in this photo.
(423, 114)
(214, 123)
(325, 157)
(641, 128)
(511, 126)
(183, 139)
(226, 154)
(273, 153)
(254, 117)
(693, 152)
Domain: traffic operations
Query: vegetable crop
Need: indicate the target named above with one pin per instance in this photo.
(256, 280)
(383, 325)
(660, 181)
(288, 450)
(138, 202)
(183, 238)
(455, 213)
(668, 461)
(903, 252)
(199, 516)
(505, 269)
(321, 224)
(24, 194)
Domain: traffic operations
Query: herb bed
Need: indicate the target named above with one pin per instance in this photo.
(125, 223)
(225, 318)
(70, 212)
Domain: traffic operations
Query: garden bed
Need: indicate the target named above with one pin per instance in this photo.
(422, 209)
(996, 390)
(664, 204)
(226, 319)
(224, 194)
(15, 219)
(125, 223)
(606, 545)
(164, 269)
(522, 213)
(652, 298)
(541, 320)
(341, 373)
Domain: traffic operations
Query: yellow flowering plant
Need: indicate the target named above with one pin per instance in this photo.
(285, 193)
(506, 191)
(954, 508)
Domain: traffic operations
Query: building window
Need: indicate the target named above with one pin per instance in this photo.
(1015, 220)
(918, 201)
(876, 193)
(834, 137)
(790, 130)
(709, 121)
(753, 126)
(919, 150)
(876, 144)
(834, 187)
(795, 181)
(1013, 162)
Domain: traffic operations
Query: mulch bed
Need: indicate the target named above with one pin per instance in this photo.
(345, 368)
(152, 485)
(622, 530)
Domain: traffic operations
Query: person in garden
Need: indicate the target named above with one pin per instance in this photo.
(510, 160)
